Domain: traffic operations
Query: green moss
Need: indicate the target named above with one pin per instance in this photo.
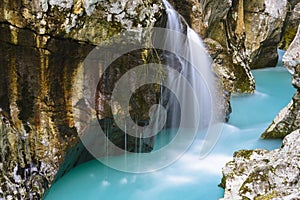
(288, 37)
(243, 153)
(223, 182)
(279, 132)
(243, 84)
(266, 197)
(256, 177)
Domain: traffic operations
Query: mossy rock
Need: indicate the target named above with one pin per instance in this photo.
(243, 154)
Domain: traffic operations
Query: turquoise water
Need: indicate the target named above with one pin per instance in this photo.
(189, 178)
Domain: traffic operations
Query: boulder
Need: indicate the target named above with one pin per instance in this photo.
(262, 174)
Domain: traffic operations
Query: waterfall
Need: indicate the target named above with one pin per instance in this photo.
(186, 105)
(198, 77)
(192, 108)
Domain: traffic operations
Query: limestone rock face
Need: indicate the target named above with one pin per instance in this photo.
(289, 118)
(248, 31)
(230, 64)
(263, 26)
(210, 20)
(42, 46)
(225, 80)
(291, 24)
(36, 117)
(190, 10)
(291, 59)
(88, 21)
(253, 31)
(262, 174)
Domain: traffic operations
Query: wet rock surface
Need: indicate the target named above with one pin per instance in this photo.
(35, 97)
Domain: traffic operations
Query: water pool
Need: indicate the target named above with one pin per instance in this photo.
(189, 177)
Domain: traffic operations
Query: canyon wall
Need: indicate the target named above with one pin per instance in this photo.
(42, 46)
(44, 42)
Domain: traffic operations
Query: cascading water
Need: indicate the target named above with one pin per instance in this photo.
(186, 105)
(188, 56)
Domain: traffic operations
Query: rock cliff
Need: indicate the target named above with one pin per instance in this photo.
(43, 44)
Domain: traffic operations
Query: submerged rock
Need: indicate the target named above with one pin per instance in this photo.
(262, 174)
(288, 119)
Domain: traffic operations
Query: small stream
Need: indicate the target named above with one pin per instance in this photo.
(189, 178)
